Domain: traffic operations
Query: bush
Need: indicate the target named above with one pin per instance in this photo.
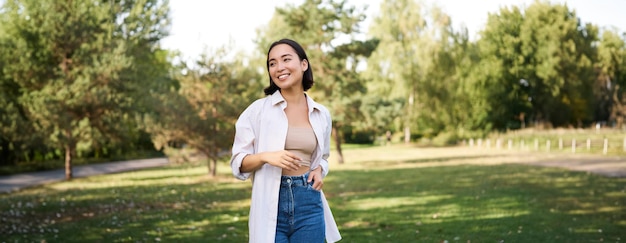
(445, 139)
(366, 136)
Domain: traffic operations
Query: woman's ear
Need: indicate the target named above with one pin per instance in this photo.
(305, 64)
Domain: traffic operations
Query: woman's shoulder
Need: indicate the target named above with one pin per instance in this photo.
(259, 102)
(318, 106)
(256, 105)
(323, 109)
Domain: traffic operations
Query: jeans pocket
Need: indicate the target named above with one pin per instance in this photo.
(309, 186)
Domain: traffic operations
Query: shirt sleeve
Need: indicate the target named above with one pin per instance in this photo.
(243, 143)
(326, 151)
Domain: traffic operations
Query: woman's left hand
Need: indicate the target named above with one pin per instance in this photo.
(316, 176)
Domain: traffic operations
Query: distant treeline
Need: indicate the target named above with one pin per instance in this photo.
(89, 79)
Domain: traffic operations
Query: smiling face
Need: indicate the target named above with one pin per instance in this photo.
(285, 67)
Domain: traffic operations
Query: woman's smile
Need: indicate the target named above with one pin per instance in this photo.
(283, 77)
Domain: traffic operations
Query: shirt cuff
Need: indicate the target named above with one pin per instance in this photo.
(236, 167)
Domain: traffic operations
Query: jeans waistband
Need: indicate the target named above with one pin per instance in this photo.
(300, 180)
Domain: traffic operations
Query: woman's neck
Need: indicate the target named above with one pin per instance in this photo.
(293, 96)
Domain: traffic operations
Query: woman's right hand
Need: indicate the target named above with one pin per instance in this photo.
(283, 159)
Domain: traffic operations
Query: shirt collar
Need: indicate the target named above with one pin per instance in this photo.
(278, 98)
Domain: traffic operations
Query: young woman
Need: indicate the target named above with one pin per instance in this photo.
(282, 141)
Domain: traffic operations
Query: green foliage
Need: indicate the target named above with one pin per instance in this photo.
(445, 139)
(200, 112)
(71, 69)
(87, 79)
(356, 136)
(538, 66)
(611, 78)
(497, 74)
(421, 60)
(396, 66)
(380, 114)
(561, 55)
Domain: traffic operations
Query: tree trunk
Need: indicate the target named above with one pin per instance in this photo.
(213, 169)
(68, 162)
(211, 161)
(617, 109)
(208, 164)
(407, 126)
(407, 134)
(338, 144)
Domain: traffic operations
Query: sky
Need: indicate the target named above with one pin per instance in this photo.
(199, 25)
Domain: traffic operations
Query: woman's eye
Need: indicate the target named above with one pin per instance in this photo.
(271, 64)
(287, 59)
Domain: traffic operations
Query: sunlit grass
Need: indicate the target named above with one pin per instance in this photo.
(393, 193)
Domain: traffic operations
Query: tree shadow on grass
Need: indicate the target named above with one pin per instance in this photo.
(166, 209)
(510, 203)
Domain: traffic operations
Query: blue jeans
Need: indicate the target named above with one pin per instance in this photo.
(300, 211)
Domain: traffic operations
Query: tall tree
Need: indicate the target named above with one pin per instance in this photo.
(16, 133)
(440, 85)
(611, 68)
(500, 78)
(559, 54)
(467, 108)
(72, 60)
(399, 26)
(414, 62)
(536, 64)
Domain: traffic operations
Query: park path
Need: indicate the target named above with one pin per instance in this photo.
(602, 165)
(20, 181)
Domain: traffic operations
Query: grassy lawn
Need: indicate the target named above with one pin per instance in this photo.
(381, 194)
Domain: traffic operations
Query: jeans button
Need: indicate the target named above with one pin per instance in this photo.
(289, 181)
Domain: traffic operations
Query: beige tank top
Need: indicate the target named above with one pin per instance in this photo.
(302, 142)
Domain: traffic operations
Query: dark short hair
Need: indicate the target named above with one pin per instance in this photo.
(307, 77)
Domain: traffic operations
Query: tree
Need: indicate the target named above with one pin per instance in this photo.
(468, 108)
(414, 62)
(396, 62)
(380, 114)
(538, 63)
(16, 133)
(611, 69)
(73, 61)
(560, 54)
(201, 110)
(500, 77)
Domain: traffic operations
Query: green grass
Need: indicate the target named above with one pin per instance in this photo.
(381, 194)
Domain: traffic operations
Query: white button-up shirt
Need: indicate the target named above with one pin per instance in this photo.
(262, 127)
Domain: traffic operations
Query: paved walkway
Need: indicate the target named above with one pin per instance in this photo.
(16, 182)
(606, 166)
